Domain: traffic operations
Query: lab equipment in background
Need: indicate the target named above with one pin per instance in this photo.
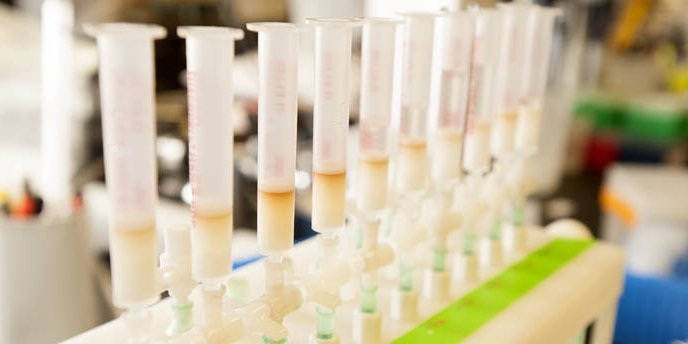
(210, 52)
(644, 211)
(128, 109)
(57, 105)
(278, 45)
(40, 252)
(378, 52)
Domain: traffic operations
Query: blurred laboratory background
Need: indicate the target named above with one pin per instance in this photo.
(614, 148)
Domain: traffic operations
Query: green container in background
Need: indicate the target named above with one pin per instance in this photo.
(659, 118)
(603, 113)
(656, 123)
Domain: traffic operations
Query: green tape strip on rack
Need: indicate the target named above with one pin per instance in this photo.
(463, 317)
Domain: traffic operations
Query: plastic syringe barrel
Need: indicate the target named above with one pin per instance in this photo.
(457, 31)
(455, 67)
(128, 111)
(378, 53)
(530, 116)
(505, 100)
(412, 160)
(332, 39)
(417, 67)
(210, 54)
(209, 58)
(480, 109)
(545, 18)
(278, 46)
(331, 96)
(526, 16)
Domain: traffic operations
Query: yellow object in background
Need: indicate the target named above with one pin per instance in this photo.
(678, 79)
(627, 26)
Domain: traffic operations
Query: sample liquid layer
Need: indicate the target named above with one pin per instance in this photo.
(477, 152)
(528, 129)
(372, 183)
(503, 134)
(134, 264)
(211, 245)
(275, 221)
(328, 201)
(446, 162)
(412, 165)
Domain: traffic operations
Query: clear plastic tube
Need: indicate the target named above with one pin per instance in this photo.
(209, 56)
(377, 80)
(128, 110)
(332, 39)
(506, 104)
(278, 45)
(453, 95)
(528, 126)
(526, 17)
(481, 91)
(545, 19)
(417, 66)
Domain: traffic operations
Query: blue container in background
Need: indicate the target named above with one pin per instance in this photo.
(652, 310)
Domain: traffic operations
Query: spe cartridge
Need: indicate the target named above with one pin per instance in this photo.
(332, 37)
(277, 117)
(528, 126)
(377, 79)
(209, 54)
(412, 157)
(508, 51)
(278, 45)
(378, 53)
(453, 94)
(128, 110)
(479, 119)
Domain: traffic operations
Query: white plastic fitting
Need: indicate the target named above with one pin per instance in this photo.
(256, 317)
(313, 339)
(231, 330)
(211, 305)
(139, 324)
(466, 269)
(493, 257)
(436, 285)
(367, 327)
(265, 314)
(175, 266)
(404, 305)
(374, 259)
